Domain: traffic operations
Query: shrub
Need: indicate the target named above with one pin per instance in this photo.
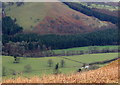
(79, 70)
(16, 60)
(50, 63)
(62, 63)
(4, 71)
(93, 67)
(27, 68)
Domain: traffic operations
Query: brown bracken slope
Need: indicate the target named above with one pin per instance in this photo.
(63, 20)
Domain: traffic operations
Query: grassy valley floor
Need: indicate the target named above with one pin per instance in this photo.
(106, 74)
(39, 66)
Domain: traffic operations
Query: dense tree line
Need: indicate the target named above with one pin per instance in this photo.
(103, 37)
(90, 12)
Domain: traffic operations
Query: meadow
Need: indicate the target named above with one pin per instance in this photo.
(39, 66)
(101, 75)
(34, 14)
(101, 6)
(86, 49)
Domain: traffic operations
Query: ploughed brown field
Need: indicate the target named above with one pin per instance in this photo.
(106, 74)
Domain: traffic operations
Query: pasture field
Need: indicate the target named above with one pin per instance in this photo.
(40, 65)
(27, 15)
(100, 6)
(101, 75)
(87, 48)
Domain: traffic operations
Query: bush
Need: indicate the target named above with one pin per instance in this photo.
(27, 68)
(50, 63)
(79, 70)
(62, 63)
(16, 60)
(93, 67)
(4, 71)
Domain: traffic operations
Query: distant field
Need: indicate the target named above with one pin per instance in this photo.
(40, 66)
(86, 48)
(100, 6)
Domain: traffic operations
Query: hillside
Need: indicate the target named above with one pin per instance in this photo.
(106, 74)
(56, 18)
(109, 8)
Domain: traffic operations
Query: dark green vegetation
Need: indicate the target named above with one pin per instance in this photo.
(9, 26)
(39, 66)
(104, 37)
(90, 12)
(9, 29)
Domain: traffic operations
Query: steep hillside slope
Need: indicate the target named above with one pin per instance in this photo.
(107, 74)
(57, 18)
(28, 14)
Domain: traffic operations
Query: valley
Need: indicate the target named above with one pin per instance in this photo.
(60, 42)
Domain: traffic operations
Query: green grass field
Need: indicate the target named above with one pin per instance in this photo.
(29, 14)
(100, 6)
(40, 65)
(86, 48)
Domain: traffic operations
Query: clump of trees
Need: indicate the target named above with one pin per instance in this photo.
(15, 50)
(9, 27)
